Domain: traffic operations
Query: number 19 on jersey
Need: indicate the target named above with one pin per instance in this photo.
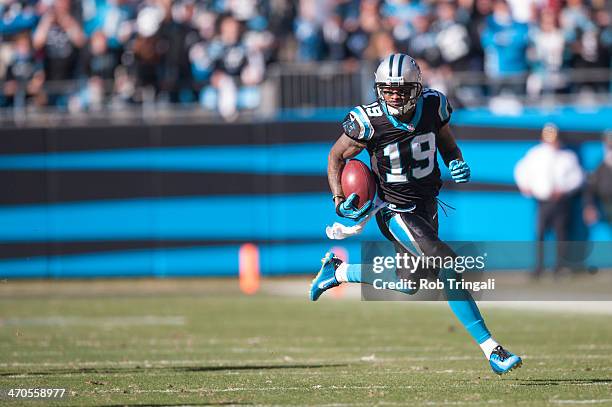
(411, 158)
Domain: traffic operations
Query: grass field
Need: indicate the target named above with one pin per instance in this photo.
(199, 342)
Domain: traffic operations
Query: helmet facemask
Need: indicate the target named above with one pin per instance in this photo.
(409, 94)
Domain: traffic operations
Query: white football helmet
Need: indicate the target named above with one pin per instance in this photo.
(399, 72)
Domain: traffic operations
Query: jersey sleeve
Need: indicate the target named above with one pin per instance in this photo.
(357, 125)
(444, 109)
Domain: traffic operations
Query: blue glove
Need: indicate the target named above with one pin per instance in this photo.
(459, 170)
(348, 208)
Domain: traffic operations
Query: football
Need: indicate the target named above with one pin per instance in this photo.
(357, 178)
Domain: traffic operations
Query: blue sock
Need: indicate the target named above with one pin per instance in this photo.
(468, 314)
(353, 273)
(465, 309)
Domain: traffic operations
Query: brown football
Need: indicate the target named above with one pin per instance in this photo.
(357, 178)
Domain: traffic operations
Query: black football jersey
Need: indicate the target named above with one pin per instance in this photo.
(402, 155)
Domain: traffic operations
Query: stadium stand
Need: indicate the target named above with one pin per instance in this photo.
(225, 56)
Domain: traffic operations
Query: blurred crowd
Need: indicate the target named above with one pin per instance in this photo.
(83, 55)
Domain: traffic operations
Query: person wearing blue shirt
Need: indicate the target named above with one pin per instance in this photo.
(505, 42)
(17, 16)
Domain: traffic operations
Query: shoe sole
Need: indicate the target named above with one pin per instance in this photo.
(312, 283)
(323, 261)
(516, 366)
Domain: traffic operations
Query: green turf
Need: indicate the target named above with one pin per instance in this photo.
(222, 348)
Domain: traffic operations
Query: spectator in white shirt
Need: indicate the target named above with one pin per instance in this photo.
(552, 175)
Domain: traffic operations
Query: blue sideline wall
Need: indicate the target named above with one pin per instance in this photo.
(180, 200)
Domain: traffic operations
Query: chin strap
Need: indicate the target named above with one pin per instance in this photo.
(394, 111)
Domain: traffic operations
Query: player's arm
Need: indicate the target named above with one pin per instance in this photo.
(344, 149)
(449, 150)
(452, 156)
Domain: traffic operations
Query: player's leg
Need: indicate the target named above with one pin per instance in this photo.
(414, 231)
(334, 272)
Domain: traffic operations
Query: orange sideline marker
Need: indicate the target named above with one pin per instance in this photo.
(249, 268)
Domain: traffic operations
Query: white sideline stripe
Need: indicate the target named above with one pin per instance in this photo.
(241, 389)
(592, 346)
(592, 401)
(390, 403)
(289, 352)
(573, 307)
(225, 363)
(604, 384)
(256, 372)
(353, 293)
(94, 321)
(281, 363)
(201, 348)
(271, 388)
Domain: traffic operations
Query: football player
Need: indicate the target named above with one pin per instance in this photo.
(402, 131)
